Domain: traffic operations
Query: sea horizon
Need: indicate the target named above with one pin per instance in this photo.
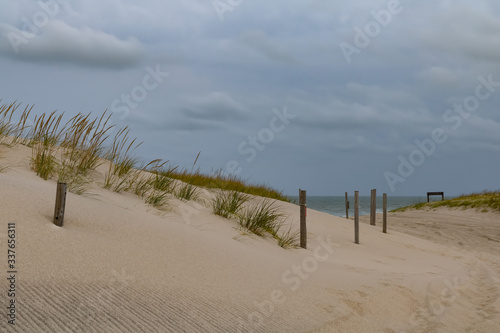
(335, 205)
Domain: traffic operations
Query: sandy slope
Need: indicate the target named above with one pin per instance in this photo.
(118, 265)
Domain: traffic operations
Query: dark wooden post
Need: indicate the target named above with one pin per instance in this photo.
(373, 207)
(356, 217)
(346, 206)
(384, 227)
(303, 215)
(60, 204)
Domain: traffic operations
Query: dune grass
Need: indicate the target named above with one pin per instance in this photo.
(261, 218)
(77, 182)
(6, 113)
(44, 139)
(162, 178)
(220, 180)
(484, 201)
(287, 239)
(157, 198)
(10, 128)
(82, 146)
(68, 152)
(265, 218)
(139, 183)
(84, 141)
(228, 203)
(72, 151)
(81, 150)
(121, 161)
(186, 192)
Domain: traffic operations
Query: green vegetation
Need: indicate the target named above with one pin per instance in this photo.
(16, 130)
(264, 217)
(157, 198)
(260, 218)
(484, 201)
(220, 180)
(186, 192)
(80, 151)
(121, 161)
(162, 179)
(140, 184)
(44, 138)
(228, 203)
(83, 143)
(287, 239)
(72, 152)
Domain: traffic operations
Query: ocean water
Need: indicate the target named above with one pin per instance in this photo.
(335, 205)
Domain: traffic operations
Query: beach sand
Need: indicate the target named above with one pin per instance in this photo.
(119, 265)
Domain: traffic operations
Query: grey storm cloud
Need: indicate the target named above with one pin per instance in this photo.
(58, 42)
(216, 106)
(262, 43)
(227, 76)
(214, 110)
(468, 32)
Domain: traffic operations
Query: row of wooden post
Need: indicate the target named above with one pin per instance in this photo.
(61, 204)
(373, 210)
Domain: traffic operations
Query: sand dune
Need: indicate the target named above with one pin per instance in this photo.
(119, 265)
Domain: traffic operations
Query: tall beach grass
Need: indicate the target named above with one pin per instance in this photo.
(72, 151)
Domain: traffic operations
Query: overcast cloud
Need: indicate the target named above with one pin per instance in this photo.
(328, 96)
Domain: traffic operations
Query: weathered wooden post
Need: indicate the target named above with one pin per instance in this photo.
(303, 215)
(356, 217)
(373, 207)
(384, 227)
(60, 204)
(346, 206)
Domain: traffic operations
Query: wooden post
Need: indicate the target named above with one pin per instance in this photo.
(384, 227)
(60, 204)
(356, 217)
(303, 215)
(346, 206)
(373, 207)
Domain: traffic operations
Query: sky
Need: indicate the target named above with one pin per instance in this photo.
(326, 96)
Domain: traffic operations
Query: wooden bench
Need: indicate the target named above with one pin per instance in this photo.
(435, 193)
